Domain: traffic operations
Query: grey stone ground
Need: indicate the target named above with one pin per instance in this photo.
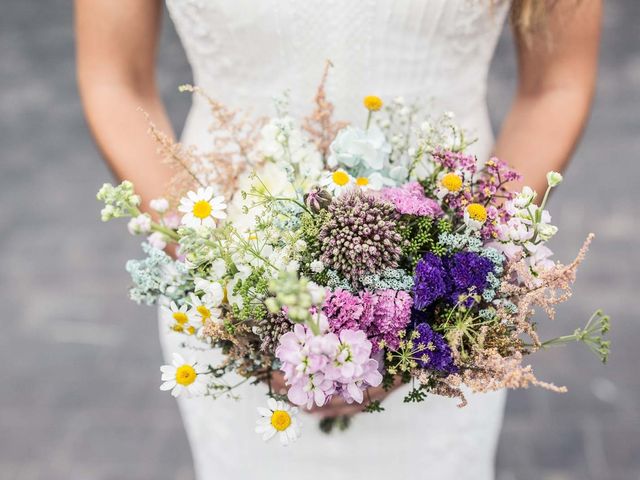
(79, 392)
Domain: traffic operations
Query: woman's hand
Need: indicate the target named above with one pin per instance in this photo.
(338, 407)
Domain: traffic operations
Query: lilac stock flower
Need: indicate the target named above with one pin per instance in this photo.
(316, 367)
(432, 350)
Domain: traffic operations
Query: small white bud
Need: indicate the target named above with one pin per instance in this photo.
(160, 205)
(554, 179)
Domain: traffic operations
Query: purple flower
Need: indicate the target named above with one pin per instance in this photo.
(432, 351)
(409, 199)
(430, 281)
(468, 274)
(449, 277)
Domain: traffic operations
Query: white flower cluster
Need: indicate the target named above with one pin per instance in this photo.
(529, 228)
(364, 156)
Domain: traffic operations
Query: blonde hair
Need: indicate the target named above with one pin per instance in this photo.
(528, 16)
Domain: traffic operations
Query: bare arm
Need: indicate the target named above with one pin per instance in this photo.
(555, 88)
(116, 50)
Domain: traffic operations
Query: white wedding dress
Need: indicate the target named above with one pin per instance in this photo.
(245, 51)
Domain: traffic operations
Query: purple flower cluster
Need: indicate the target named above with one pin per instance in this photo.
(430, 281)
(432, 350)
(409, 199)
(453, 161)
(316, 367)
(492, 191)
(381, 315)
(449, 277)
(360, 236)
(468, 273)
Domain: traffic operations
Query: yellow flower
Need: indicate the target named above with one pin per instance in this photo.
(340, 178)
(475, 215)
(372, 103)
(477, 212)
(451, 182)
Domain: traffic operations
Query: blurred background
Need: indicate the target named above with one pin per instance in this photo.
(79, 374)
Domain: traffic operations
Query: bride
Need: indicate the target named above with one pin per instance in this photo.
(244, 51)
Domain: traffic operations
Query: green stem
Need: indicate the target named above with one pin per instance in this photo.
(169, 233)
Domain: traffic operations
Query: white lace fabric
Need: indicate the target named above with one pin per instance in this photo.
(243, 52)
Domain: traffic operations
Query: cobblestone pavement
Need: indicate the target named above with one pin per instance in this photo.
(79, 395)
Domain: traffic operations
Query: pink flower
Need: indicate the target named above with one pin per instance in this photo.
(410, 199)
(316, 367)
(380, 315)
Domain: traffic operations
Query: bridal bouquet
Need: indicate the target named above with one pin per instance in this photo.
(347, 257)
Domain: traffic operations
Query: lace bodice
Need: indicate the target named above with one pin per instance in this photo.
(245, 51)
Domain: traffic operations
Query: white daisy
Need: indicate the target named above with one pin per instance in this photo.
(184, 377)
(337, 182)
(202, 208)
(181, 319)
(372, 181)
(202, 311)
(474, 216)
(213, 291)
(451, 182)
(279, 418)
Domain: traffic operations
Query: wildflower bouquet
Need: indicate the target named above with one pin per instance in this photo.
(348, 258)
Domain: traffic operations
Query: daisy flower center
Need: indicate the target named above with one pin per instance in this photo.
(280, 420)
(477, 212)
(204, 312)
(340, 178)
(180, 317)
(185, 375)
(362, 181)
(452, 182)
(201, 209)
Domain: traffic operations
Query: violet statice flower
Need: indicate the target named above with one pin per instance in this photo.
(432, 351)
(381, 315)
(430, 281)
(409, 199)
(316, 367)
(468, 273)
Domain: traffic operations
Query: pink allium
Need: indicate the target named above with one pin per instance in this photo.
(316, 367)
(381, 315)
(410, 199)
